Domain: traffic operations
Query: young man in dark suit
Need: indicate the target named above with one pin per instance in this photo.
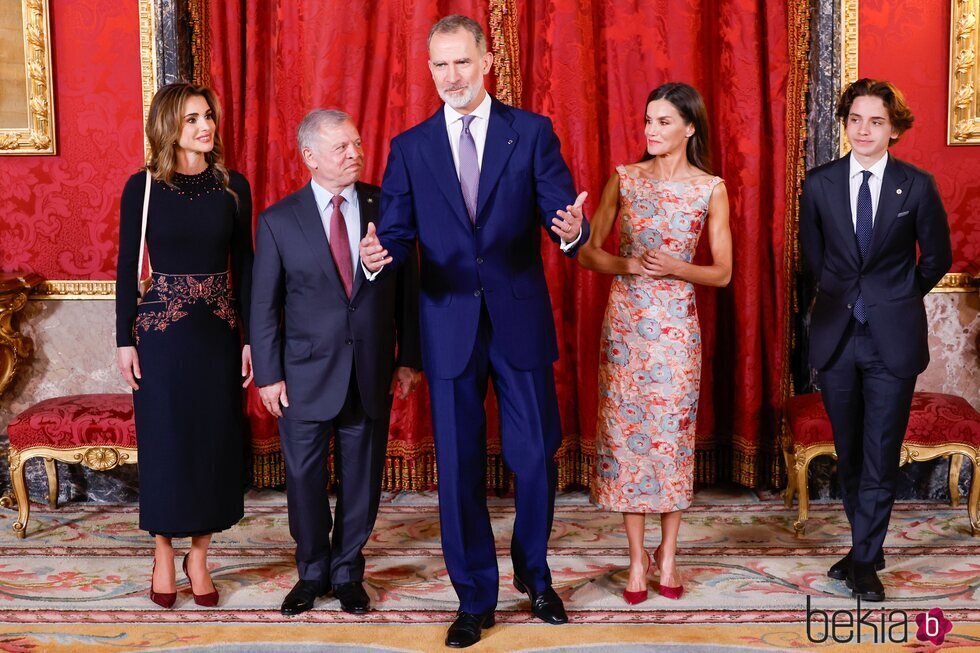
(325, 357)
(862, 217)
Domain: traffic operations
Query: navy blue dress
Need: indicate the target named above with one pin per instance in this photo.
(188, 332)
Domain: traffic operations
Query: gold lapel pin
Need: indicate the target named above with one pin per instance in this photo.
(898, 191)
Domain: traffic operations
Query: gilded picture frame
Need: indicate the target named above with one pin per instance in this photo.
(26, 105)
(849, 13)
(964, 74)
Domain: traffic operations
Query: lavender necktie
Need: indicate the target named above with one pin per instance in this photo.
(469, 168)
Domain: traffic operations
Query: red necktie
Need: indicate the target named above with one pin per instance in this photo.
(340, 245)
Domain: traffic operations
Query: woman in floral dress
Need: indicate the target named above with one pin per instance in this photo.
(650, 367)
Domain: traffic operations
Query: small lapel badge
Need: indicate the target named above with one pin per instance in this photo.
(898, 191)
(371, 200)
(510, 141)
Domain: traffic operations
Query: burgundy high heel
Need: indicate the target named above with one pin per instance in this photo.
(163, 599)
(663, 590)
(208, 600)
(640, 595)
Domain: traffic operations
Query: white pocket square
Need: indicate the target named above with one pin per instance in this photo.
(902, 214)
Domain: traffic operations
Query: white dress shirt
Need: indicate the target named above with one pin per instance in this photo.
(874, 184)
(351, 210)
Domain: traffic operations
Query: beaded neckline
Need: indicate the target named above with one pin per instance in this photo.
(204, 173)
(192, 186)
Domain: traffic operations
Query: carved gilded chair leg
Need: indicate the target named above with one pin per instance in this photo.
(786, 440)
(791, 486)
(23, 500)
(955, 464)
(802, 492)
(52, 471)
(973, 507)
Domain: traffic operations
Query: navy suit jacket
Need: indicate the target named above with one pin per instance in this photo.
(497, 260)
(306, 330)
(893, 283)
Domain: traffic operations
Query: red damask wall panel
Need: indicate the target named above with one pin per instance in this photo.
(59, 215)
(907, 43)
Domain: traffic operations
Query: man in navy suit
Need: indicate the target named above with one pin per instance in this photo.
(473, 185)
(861, 219)
(325, 358)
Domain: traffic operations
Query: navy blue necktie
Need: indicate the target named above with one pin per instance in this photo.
(863, 232)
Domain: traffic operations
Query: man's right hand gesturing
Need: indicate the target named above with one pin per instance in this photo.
(272, 395)
(373, 255)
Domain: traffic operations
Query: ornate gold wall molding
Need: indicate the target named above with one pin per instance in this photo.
(964, 74)
(848, 54)
(148, 60)
(506, 49)
(75, 289)
(957, 282)
(37, 135)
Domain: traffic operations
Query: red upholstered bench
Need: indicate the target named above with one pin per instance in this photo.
(96, 430)
(939, 425)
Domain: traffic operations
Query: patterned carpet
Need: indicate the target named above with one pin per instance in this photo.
(78, 581)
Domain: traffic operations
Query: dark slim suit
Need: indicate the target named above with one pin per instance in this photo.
(867, 372)
(337, 357)
(485, 313)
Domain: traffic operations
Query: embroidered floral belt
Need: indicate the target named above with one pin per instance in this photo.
(170, 296)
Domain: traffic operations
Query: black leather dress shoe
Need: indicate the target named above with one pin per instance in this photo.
(864, 583)
(301, 597)
(546, 606)
(466, 630)
(840, 569)
(352, 597)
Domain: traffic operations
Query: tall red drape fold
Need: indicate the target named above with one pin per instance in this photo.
(589, 66)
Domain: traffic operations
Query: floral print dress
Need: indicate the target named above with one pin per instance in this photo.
(650, 367)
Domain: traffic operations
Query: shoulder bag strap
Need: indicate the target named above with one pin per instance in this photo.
(146, 208)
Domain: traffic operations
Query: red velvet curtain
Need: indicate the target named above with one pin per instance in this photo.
(589, 65)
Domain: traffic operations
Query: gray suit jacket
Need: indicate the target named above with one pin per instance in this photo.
(306, 331)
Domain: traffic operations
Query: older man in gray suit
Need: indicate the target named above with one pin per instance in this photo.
(325, 356)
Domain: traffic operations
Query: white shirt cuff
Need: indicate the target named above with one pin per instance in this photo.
(567, 246)
(371, 276)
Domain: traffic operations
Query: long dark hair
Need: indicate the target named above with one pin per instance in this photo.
(690, 105)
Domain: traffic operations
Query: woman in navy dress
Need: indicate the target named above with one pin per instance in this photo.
(181, 348)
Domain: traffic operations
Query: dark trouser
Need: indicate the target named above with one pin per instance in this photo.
(359, 453)
(530, 435)
(868, 408)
